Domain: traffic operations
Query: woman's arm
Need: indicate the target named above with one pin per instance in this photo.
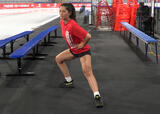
(84, 42)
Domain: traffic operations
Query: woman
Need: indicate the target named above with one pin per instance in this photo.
(77, 40)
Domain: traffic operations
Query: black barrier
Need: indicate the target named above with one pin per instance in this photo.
(86, 17)
(145, 21)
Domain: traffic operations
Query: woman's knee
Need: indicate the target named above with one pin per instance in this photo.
(58, 59)
(87, 71)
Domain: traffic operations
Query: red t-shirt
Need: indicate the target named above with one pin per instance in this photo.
(74, 34)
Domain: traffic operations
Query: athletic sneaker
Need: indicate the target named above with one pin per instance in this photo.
(98, 101)
(66, 84)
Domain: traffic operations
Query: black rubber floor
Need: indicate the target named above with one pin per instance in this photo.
(128, 84)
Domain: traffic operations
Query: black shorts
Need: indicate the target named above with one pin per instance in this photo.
(81, 54)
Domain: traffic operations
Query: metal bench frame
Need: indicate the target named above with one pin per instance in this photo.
(142, 36)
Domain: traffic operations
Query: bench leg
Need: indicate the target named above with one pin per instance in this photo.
(146, 48)
(137, 40)
(4, 51)
(45, 43)
(4, 54)
(27, 38)
(55, 33)
(156, 52)
(40, 55)
(12, 46)
(130, 35)
(49, 36)
(19, 68)
(49, 42)
(35, 55)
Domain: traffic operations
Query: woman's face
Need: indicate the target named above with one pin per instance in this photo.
(64, 13)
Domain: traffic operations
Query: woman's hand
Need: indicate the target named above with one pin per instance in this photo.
(84, 42)
(80, 45)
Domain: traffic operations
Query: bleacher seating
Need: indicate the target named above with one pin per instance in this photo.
(12, 39)
(30, 45)
(142, 36)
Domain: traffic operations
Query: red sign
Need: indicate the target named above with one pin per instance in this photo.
(38, 5)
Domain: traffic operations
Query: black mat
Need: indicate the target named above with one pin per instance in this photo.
(127, 84)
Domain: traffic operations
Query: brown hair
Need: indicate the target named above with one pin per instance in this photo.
(70, 8)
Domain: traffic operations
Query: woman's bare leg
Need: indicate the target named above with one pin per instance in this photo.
(88, 73)
(87, 70)
(61, 58)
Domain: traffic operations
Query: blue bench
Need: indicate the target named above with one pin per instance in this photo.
(31, 44)
(12, 39)
(142, 36)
